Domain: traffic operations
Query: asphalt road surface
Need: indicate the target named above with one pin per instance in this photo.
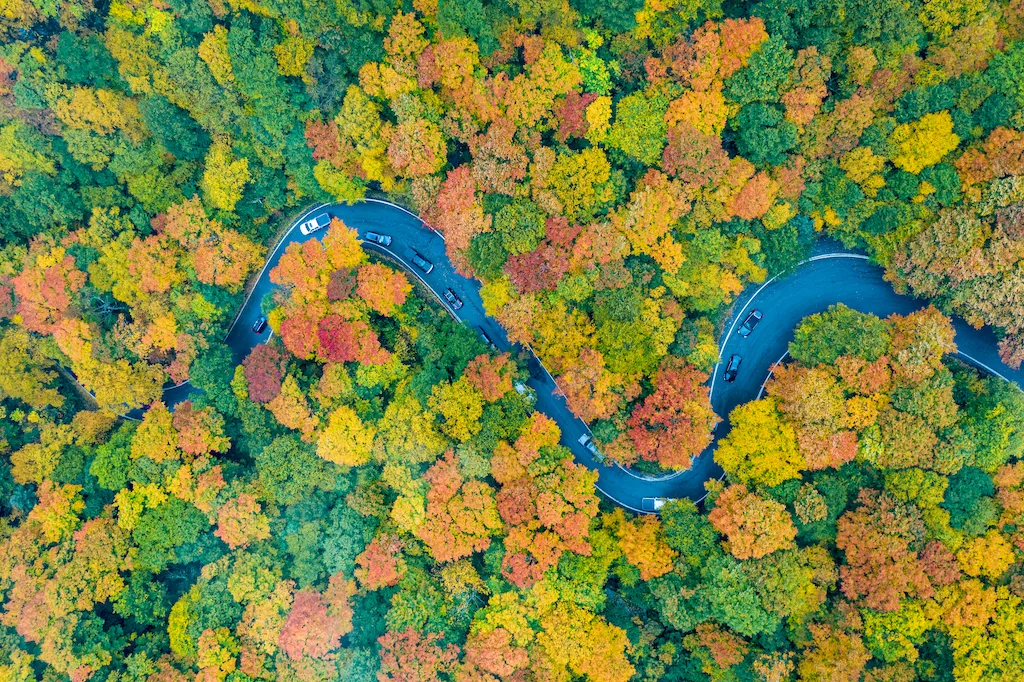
(826, 279)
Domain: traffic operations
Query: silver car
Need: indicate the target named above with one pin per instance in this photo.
(377, 238)
(452, 299)
(748, 325)
(588, 442)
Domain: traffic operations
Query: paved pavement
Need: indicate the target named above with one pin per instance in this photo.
(823, 281)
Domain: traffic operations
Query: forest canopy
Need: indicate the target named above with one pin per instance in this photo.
(371, 495)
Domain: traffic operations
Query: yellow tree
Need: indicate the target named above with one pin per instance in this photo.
(761, 448)
(293, 54)
(642, 541)
(347, 440)
(461, 407)
(924, 142)
(224, 177)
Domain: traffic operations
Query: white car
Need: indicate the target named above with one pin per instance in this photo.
(317, 223)
(653, 504)
(588, 442)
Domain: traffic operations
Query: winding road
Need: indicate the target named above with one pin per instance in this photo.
(825, 279)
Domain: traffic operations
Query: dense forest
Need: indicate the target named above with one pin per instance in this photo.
(371, 495)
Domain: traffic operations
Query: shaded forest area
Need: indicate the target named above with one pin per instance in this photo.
(368, 497)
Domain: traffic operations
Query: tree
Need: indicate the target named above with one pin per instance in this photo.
(382, 288)
(639, 127)
(46, 287)
(457, 213)
(968, 499)
(803, 101)
(812, 400)
(754, 199)
(200, 431)
(880, 539)
(674, 423)
(417, 148)
(156, 438)
(461, 516)
(491, 376)
(264, 371)
(173, 128)
(410, 656)
(924, 142)
(919, 340)
(290, 471)
(835, 655)
(584, 643)
(381, 564)
(546, 502)
(763, 136)
(26, 373)
(760, 448)
(717, 649)
(342, 340)
(753, 525)
(643, 543)
(225, 177)
(763, 76)
(291, 408)
(823, 338)
(988, 556)
(239, 522)
(346, 440)
(316, 622)
(694, 157)
(582, 184)
(460, 405)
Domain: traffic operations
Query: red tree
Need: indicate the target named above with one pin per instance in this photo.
(538, 270)
(46, 292)
(316, 623)
(879, 539)
(264, 369)
(380, 564)
(413, 657)
(491, 376)
(674, 423)
(343, 340)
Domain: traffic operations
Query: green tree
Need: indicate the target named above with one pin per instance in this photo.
(763, 134)
(824, 337)
(764, 76)
(639, 127)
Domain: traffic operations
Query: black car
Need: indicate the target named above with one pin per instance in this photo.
(260, 324)
(748, 324)
(732, 368)
(452, 299)
(376, 238)
(422, 263)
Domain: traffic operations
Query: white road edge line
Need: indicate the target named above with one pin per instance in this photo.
(739, 315)
(988, 369)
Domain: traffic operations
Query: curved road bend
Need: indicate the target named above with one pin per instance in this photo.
(815, 285)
